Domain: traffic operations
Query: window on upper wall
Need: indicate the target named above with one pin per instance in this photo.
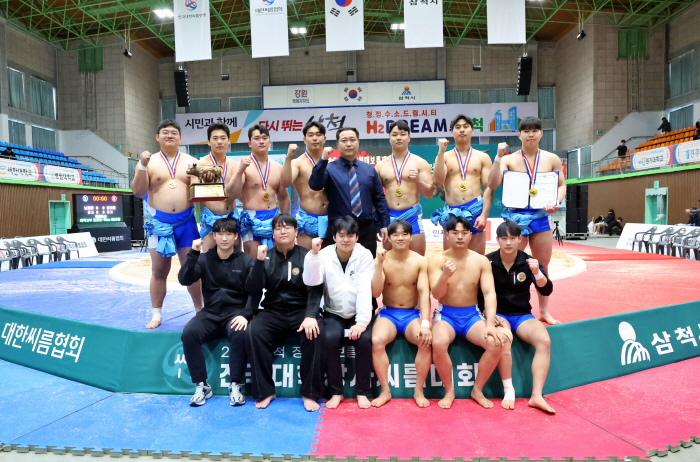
(506, 95)
(681, 74)
(463, 97)
(204, 105)
(168, 109)
(18, 132)
(16, 79)
(43, 96)
(681, 118)
(545, 103)
(43, 138)
(547, 141)
(245, 103)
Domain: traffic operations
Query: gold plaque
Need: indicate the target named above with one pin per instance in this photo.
(463, 186)
(204, 192)
(266, 196)
(172, 184)
(398, 192)
(533, 192)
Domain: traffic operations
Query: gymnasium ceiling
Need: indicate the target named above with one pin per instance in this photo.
(68, 23)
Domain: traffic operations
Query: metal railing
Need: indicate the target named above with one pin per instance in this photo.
(121, 178)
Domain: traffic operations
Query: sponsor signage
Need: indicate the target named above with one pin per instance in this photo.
(30, 171)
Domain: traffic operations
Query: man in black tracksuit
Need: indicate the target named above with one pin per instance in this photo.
(290, 307)
(227, 308)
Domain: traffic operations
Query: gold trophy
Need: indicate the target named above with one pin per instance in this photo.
(207, 191)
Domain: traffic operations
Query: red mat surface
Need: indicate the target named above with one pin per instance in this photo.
(620, 417)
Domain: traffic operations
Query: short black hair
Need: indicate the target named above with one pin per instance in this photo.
(213, 127)
(284, 219)
(261, 128)
(612, 210)
(401, 125)
(620, 219)
(530, 123)
(454, 220)
(225, 225)
(623, 141)
(168, 123)
(344, 129)
(348, 224)
(461, 117)
(508, 227)
(396, 224)
(313, 123)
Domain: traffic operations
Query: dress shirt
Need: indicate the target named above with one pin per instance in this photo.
(345, 293)
(334, 178)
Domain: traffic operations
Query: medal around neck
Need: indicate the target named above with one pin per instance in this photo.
(205, 191)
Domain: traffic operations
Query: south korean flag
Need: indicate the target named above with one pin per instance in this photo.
(353, 95)
(344, 25)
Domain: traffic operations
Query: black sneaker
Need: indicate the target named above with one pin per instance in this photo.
(234, 391)
(201, 394)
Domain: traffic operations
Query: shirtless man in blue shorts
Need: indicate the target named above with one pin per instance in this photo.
(456, 275)
(401, 277)
(535, 224)
(463, 172)
(171, 227)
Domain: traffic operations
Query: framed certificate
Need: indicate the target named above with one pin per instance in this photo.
(516, 190)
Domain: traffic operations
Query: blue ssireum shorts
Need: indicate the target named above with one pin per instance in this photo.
(184, 233)
(516, 320)
(248, 234)
(399, 317)
(472, 210)
(531, 221)
(415, 217)
(460, 318)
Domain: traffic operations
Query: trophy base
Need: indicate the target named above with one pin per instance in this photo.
(205, 192)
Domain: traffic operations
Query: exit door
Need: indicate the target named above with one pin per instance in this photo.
(59, 217)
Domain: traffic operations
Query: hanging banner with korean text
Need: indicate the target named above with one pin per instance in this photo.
(40, 173)
(269, 32)
(345, 25)
(426, 121)
(423, 20)
(505, 21)
(192, 30)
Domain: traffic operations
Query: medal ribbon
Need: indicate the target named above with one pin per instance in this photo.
(398, 172)
(311, 159)
(463, 165)
(266, 175)
(173, 167)
(213, 161)
(532, 173)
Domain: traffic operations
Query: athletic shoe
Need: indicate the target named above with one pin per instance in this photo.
(201, 394)
(234, 391)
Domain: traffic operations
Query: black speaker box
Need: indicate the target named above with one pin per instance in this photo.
(524, 75)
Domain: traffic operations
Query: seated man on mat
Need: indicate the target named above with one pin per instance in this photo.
(289, 308)
(514, 272)
(223, 271)
(401, 277)
(456, 275)
(346, 268)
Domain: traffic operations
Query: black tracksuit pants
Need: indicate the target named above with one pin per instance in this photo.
(205, 327)
(334, 334)
(267, 331)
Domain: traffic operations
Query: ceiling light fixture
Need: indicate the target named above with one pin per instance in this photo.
(298, 27)
(164, 13)
(397, 23)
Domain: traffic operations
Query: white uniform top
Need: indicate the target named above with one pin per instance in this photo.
(345, 293)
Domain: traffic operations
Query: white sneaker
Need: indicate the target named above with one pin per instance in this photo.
(234, 391)
(201, 394)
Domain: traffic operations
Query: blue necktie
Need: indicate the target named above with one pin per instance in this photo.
(355, 202)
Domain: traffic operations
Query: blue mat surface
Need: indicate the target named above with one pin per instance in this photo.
(87, 294)
(81, 263)
(31, 399)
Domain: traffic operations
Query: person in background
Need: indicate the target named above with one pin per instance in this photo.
(599, 228)
(665, 126)
(622, 156)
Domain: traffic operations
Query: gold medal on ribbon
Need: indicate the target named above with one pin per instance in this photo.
(398, 192)
(533, 192)
(266, 196)
(172, 184)
(463, 186)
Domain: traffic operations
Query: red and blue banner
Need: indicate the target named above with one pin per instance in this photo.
(29, 171)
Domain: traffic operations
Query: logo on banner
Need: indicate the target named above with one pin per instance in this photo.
(268, 2)
(190, 5)
(632, 351)
(352, 93)
(406, 91)
(653, 158)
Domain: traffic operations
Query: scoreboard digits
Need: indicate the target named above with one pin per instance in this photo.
(98, 208)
